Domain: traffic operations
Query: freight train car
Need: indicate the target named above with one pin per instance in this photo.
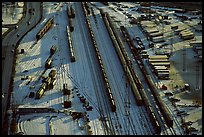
(46, 27)
(48, 63)
(117, 42)
(108, 88)
(72, 53)
(52, 84)
(41, 91)
(162, 107)
(150, 112)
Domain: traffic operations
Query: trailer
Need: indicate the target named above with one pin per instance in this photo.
(163, 75)
(167, 64)
(159, 68)
(158, 60)
(158, 57)
(151, 30)
(196, 43)
(188, 36)
(162, 71)
(156, 34)
(158, 39)
(177, 31)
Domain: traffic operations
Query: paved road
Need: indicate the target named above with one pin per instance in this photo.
(12, 39)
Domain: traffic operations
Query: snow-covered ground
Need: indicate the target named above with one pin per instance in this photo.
(11, 14)
(82, 76)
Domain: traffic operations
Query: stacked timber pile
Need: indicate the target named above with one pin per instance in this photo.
(160, 65)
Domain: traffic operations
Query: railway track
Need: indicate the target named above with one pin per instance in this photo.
(101, 104)
(116, 122)
(164, 127)
(129, 118)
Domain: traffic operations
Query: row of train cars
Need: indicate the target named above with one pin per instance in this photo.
(143, 97)
(162, 107)
(50, 23)
(108, 90)
(141, 100)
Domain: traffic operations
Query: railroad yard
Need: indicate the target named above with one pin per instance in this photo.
(109, 68)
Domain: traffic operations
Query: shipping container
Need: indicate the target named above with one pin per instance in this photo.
(162, 71)
(160, 68)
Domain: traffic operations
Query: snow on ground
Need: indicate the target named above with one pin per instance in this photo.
(4, 30)
(81, 76)
(116, 77)
(175, 57)
(33, 60)
(11, 15)
(48, 124)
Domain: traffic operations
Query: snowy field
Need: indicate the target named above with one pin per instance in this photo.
(83, 78)
(11, 15)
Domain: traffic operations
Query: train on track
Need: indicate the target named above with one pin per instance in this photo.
(72, 53)
(46, 27)
(146, 101)
(163, 109)
(124, 59)
(71, 16)
(107, 85)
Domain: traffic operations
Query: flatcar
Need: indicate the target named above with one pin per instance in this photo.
(45, 28)
(40, 93)
(162, 107)
(48, 63)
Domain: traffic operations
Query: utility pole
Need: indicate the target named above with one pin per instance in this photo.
(184, 58)
(197, 76)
